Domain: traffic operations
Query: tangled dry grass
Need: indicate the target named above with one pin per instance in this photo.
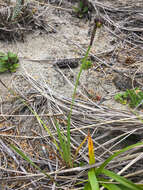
(111, 129)
(16, 23)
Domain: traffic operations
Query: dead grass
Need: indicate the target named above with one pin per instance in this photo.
(111, 129)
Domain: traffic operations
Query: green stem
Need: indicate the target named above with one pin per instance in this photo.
(83, 61)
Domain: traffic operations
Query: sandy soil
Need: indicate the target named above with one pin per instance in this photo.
(69, 40)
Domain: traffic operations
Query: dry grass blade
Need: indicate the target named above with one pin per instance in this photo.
(125, 19)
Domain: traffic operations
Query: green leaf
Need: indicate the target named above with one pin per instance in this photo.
(105, 163)
(93, 180)
(111, 186)
(80, 4)
(120, 98)
(85, 10)
(121, 180)
(3, 69)
(87, 186)
(2, 54)
(8, 62)
(16, 65)
(122, 187)
(4, 58)
(133, 96)
(11, 55)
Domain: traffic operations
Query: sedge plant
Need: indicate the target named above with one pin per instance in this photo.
(132, 96)
(64, 145)
(8, 62)
(95, 182)
(65, 142)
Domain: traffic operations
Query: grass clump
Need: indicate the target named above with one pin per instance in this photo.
(134, 97)
(8, 62)
(65, 141)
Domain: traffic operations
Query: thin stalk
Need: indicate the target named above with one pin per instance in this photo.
(73, 100)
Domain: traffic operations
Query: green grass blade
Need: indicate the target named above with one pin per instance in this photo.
(45, 127)
(121, 180)
(60, 140)
(102, 166)
(69, 140)
(40, 121)
(133, 97)
(18, 151)
(67, 152)
(83, 61)
(24, 156)
(93, 180)
(87, 186)
(110, 186)
(63, 144)
(125, 188)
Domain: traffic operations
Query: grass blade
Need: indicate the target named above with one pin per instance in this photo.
(121, 180)
(66, 156)
(18, 151)
(110, 186)
(102, 166)
(83, 61)
(125, 188)
(60, 139)
(93, 180)
(87, 186)
(80, 146)
(45, 127)
(69, 139)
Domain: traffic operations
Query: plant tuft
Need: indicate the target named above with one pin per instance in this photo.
(8, 62)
